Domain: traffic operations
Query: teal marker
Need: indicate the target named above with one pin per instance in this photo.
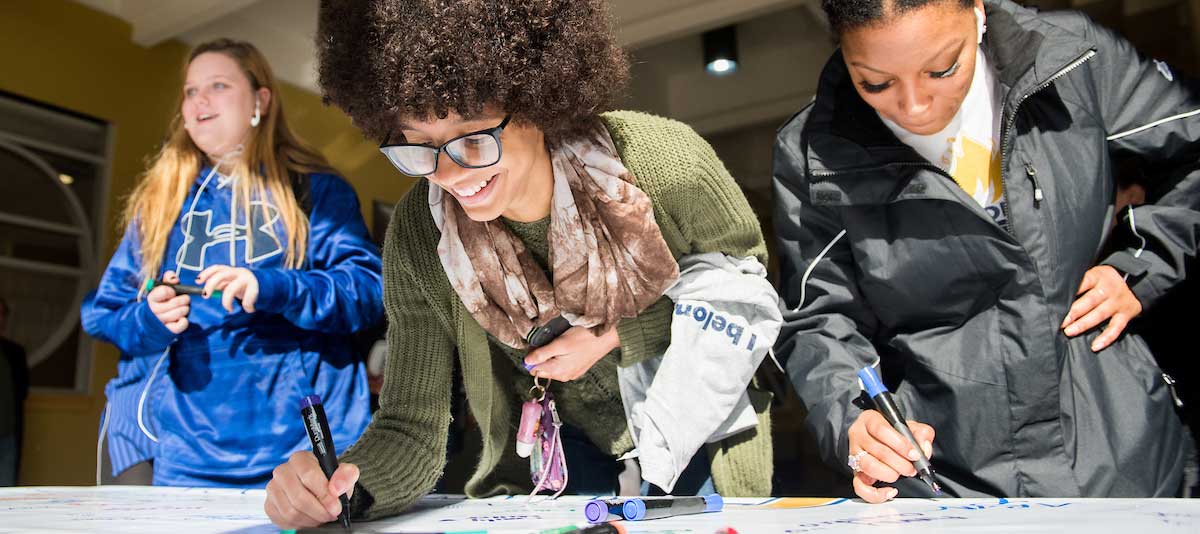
(182, 289)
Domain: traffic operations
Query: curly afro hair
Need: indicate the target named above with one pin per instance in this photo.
(551, 63)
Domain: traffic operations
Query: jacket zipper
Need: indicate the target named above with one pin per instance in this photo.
(1037, 189)
(1012, 118)
(1170, 380)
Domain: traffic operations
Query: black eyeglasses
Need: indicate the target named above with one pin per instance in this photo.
(470, 151)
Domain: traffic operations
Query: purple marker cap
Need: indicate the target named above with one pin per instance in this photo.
(310, 401)
(595, 511)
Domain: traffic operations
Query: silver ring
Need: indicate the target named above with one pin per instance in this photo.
(855, 461)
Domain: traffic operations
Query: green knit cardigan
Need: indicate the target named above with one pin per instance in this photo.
(698, 207)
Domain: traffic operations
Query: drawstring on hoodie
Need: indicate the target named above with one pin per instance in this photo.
(190, 215)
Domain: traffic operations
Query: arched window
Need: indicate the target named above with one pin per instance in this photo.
(53, 186)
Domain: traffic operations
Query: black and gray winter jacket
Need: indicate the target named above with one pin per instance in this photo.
(885, 257)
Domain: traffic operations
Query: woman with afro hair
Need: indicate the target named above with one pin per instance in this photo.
(538, 206)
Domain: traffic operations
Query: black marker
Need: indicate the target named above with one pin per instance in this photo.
(885, 405)
(182, 289)
(322, 442)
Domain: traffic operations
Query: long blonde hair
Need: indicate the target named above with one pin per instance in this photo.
(272, 151)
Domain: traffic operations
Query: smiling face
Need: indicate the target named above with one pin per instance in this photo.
(915, 68)
(218, 102)
(518, 187)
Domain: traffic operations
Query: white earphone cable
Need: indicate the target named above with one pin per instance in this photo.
(100, 443)
(145, 390)
(813, 265)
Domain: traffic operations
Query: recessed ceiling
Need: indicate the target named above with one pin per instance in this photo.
(284, 29)
(658, 30)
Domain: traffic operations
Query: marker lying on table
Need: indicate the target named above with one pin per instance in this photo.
(601, 510)
(182, 289)
(657, 507)
(641, 508)
(322, 441)
(887, 406)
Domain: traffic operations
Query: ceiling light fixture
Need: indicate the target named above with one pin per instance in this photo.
(720, 51)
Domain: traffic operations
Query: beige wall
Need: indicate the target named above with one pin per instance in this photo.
(780, 57)
(66, 55)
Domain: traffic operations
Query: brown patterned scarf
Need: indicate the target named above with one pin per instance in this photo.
(607, 254)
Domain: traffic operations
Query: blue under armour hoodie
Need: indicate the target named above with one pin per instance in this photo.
(218, 405)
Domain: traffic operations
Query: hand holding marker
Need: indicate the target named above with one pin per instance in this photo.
(322, 441)
(182, 289)
(169, 307)
(233, 286)
(887, 407)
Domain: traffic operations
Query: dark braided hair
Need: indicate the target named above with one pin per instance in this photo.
(847, 15)
(554, 64)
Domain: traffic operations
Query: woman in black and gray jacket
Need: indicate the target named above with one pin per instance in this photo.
(943, 209)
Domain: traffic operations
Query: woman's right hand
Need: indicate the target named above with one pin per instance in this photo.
(299, 495)
(170, 308)
(883, 454)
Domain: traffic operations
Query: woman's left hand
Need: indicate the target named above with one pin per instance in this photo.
(1106, 297)
(570, 355)
(233, 283)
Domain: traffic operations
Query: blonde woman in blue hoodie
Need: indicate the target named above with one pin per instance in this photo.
(234, 204)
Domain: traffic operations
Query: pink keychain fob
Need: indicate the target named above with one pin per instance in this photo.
(531, 416)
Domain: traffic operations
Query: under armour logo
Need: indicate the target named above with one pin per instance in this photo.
(199, 235)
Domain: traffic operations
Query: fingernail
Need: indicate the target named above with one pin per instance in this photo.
(1070, 331)
(912, 454)
(529, 366)
(1096, 346)
(928, 448)
(891, 493)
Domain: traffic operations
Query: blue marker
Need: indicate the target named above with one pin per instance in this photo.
(885, 405)
(657, 507)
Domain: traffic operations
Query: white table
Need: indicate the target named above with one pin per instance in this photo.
(139, 509)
